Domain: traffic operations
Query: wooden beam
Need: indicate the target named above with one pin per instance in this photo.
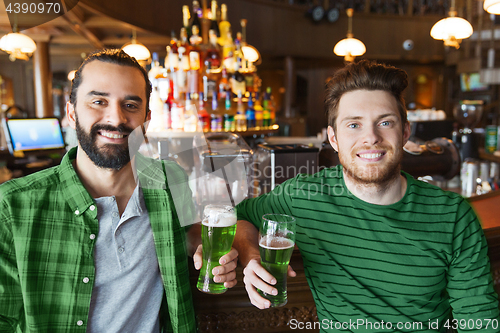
(75, 18)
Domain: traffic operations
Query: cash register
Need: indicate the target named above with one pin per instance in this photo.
(34, 144)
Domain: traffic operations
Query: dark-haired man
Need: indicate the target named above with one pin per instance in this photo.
(87, 246)
(382, 251)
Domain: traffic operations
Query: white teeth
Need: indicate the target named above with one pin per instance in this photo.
(112, 136)
(370, 156)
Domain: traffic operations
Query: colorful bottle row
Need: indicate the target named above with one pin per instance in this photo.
(196, 113)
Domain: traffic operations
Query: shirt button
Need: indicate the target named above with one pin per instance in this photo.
(115, 214)
(79, 323)
(77, 212)
(92, 236)
(86, 280)
(92, 208)
(121, 250)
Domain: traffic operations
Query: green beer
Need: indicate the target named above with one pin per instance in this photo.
(217, 234)
(275, 254)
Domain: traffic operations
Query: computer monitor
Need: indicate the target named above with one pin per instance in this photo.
(41, 136)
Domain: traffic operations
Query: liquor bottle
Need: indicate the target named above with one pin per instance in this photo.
(173, 41)
(181, 84)
(224, 84)
(197, 15)
(225, 40)
(190, 117)
(270, 106)
(266, 113)
(167, 106)
(213, 54)
(237, 79)
(250, 114)
(209, 82)
(259, 117)
(177, 112)
(215, 117)
(203, 116)
(229, 124)
(171, 59)
(156, 106)
(155, 70)
(195, 41)
(224, 25)
(213, 24)
(240, 118)
(185, 19)
(184, 41)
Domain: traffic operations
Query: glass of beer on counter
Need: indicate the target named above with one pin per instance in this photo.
(218, 228)
(276, 243)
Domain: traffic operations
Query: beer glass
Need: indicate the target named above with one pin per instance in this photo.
(276, 242)
(218, 228)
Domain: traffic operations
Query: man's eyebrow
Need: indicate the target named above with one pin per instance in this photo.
(133, 98)
(97, 93)
(349, 118)
(385, 115)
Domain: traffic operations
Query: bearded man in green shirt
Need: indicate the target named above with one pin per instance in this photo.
(96, 244)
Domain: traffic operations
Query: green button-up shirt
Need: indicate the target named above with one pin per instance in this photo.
(48, 228)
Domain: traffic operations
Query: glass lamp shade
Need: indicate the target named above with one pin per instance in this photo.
(17, 45)
(137, 51)
(71, 75)
(451, 28)
(349, 47)
(492, 6)
(250, 53)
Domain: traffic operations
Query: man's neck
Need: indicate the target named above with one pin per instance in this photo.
(379, 194)
(101, 182)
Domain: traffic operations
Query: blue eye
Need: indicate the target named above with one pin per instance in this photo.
(385, 123)
(353, 125)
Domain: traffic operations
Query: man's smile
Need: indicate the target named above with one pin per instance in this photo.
(371, 156)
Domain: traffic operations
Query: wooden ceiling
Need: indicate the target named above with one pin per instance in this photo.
(82, 30)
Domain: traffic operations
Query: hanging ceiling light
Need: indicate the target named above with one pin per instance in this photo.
(250, 53)
(492, 6)
(452, 29)
(349, 47)
(17, 45)
(136, 49)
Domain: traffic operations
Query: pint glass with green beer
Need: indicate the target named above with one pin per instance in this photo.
(218, 228)
(276, 242)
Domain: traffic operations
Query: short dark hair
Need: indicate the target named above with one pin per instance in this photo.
(114, 56)
(365, 75)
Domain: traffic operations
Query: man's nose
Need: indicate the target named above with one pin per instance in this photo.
(371, 135)
(115, 115)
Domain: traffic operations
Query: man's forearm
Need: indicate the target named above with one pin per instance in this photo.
(246, 242)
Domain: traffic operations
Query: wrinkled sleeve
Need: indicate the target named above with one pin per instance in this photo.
(278, 201)
(470, 284)
(11, 301)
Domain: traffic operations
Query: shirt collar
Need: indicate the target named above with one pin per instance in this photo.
(76, 194)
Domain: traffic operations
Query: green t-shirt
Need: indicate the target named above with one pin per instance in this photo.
(386, 268)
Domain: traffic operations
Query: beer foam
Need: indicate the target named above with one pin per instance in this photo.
(219, 216)
(276, 243)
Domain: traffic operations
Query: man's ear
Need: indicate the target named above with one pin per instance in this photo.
(406, 132)
(71, 115)
(332, 138)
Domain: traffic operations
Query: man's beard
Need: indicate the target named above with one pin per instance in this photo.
(373, 174)
(109, 156)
